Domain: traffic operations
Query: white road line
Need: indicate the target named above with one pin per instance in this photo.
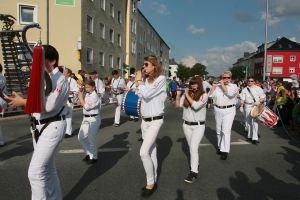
(239, 142)
(99, 150)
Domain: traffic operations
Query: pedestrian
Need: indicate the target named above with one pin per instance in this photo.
(251, 96)
(296, 114)
(151, 89)
(224, 96)
(131, 86)
(193, 102)
(70, 103)
(91, 122)
(182, 86)
(117, 86)
(42, 172)
(280, 103)
(173, 88)
(79, 79)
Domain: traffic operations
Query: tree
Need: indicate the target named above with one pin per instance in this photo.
(183, 72)
(198, 69)
(238, 72)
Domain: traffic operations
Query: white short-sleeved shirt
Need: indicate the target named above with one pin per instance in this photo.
(197, 111)
(257, 92)
(91, 106)
(153, 96)
(222, 98)
(117, 83)
(73, 86)
(130, 85)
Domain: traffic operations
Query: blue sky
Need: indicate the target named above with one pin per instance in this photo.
(217, 32)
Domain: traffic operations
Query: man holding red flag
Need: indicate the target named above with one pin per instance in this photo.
(48, 129)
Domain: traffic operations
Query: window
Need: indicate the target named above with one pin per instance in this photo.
(102, 30)
(280, 46)
(119, 17)
(133, 46)
(101, 59)
(111, 10)
(292, 58)
(277, 70)
(292, 69)
(111, 36)
(27, 14)
(133, 26)
(277, 59)
(111, 61)
(145, 36)
(89, 56)
(89, 23)
(102, 4)
(119, 40)
(133, 6)
(290, 46)
(119, 63)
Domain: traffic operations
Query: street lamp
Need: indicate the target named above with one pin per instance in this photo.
(266, 38)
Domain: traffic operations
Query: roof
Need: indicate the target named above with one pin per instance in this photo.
(172, 62)
(284, 44)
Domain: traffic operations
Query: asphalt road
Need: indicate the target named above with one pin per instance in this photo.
(268, 170)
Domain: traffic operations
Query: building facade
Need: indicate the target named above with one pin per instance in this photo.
(99, 35)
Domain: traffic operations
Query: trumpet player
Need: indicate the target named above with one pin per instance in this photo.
(251, 96)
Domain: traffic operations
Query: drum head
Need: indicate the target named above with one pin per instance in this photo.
(256, 110)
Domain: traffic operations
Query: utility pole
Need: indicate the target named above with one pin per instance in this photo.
(266, 38)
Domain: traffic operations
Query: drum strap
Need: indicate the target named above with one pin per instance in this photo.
(132, 85)
(251, 94)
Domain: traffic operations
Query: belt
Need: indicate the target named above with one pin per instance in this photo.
(50, 119)
(91, 115)
(149, 119)
(118, 93)
(249, 103)
(194, 123)
(222, 107)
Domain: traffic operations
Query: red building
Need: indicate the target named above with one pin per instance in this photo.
(283, 59)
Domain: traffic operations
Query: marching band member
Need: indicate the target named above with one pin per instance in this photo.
(117, 85)
(89, 127)
(100, 87)
(224, 96)
(193, 102)
(251, 96)
(131, 86)
(51, 124)
(151, 89)
(70, 103)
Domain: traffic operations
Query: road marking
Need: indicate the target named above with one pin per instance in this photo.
(99, 150)
(239, 142)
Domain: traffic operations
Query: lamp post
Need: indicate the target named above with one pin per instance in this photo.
(266, 38)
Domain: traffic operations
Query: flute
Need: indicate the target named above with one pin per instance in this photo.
(183, 89)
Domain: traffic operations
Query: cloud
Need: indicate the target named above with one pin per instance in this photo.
(159, 8)
(219, 59)
(282, 9)
(245, 17)
(272, 20)
(194, 30)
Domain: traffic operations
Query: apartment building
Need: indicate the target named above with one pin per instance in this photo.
(99, 35)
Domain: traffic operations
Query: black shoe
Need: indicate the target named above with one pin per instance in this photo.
(136, 119)
(68, 136)
(149, 192)
(92, 161)
(249, 139)
(191, 178)
(116, 125)
(86, 158)
(141, 139)
(255, 142)
(223, 156)
(218, 152)
(130, 119)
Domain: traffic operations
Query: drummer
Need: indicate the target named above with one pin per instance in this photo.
(131, 86)
(251, 96)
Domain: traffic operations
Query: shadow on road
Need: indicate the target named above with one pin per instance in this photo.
(24, 148)
(98, 169)
(163, 150)
(185, 149)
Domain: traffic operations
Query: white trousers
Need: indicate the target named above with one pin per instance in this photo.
(148, 149)
(118, 108)
(88, 135)
(42, 172)
(69, 115)
(1, 138)
(224, 119)
(194, 135)
(251, 123)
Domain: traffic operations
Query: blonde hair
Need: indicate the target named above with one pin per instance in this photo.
(227, 72)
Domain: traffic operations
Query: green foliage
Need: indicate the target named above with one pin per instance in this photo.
(238, 72)
(198, 69)
(183, 72)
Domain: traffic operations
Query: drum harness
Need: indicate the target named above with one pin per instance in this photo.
(251, 95)
(117, 87)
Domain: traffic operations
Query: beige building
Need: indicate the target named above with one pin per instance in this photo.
(101, 35)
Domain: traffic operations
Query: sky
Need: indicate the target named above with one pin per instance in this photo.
(216, 33)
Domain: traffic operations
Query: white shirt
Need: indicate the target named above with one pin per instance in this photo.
(130, 85)
(206, 85)
(100, 87)
(117, 83)
(222, 98)
(91, 106)
(57, 98)
(257, 92)
(197, 111)
(153, 96)
(73, 86)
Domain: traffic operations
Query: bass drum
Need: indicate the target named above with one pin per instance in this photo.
(131, 104)
(265, 115)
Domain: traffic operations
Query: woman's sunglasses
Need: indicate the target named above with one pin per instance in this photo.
(145, 64)
(226, 77)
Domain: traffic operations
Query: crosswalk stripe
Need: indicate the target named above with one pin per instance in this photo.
(99, 150)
